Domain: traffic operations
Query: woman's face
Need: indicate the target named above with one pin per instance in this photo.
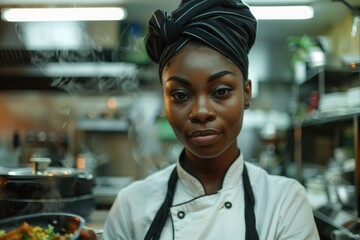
(204, 96)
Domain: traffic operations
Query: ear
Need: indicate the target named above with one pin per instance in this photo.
(247, 94)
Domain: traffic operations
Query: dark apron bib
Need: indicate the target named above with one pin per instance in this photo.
(161, 216)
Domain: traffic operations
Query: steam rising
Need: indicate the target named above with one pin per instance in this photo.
(97, 85)
(144, 131)
(80, 64)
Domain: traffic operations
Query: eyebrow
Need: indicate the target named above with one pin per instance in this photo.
(179, 80)
(210, 79)
(219, 75)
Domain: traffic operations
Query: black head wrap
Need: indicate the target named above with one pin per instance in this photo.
(225, 25)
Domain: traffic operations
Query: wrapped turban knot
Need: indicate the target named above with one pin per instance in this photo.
(228, 26)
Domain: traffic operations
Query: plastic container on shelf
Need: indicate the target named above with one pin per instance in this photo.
(353, 97)
(333, 103)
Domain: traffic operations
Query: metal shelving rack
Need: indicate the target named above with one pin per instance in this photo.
(319, 78)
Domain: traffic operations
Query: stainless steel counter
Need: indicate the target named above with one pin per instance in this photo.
(96, 222)
(107, 188)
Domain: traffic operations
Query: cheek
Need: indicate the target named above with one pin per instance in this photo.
(233, 123)
(233, 114)
(174, 114)
(234, 118)
(176, 121)
(234, 108)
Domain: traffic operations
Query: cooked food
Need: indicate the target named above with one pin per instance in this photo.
(28, 232)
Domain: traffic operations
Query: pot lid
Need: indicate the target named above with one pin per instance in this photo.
(41, 168)
(51, 171)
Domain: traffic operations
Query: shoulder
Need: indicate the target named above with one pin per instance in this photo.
(136, 203)
(277, 189)
(155, 181)
(259, 177)
(154, 185)
(286, 201)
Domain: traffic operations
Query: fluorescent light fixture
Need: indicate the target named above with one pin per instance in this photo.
(282, 12)
(62, 14)
(75, 69)
(89, 69)
(54, 35)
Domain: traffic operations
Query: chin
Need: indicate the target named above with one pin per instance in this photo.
(205, 152)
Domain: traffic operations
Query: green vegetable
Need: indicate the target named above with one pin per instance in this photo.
(25, 236)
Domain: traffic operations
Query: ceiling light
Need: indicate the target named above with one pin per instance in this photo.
(282, 12)
(62, 14)
(86, 69)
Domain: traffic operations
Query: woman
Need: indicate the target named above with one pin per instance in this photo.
(211, 193)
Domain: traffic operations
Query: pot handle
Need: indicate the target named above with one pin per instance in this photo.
(40, 165)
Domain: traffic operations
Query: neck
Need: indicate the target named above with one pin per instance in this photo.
(211, 171)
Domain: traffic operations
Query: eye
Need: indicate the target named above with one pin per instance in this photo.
(221, 92)
(180, 95)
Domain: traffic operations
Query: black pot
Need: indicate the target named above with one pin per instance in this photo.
(56, 189)
(83, 206)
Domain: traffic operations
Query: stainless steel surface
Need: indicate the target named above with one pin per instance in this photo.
(40, 165)
(357, 160)
(334, 223)
(340, 185)
(52, 171)
(107, 188)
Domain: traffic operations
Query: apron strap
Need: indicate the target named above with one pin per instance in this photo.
(250, 220)
(161, 216)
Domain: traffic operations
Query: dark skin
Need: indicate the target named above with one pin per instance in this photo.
(87, 234)
(205, 96)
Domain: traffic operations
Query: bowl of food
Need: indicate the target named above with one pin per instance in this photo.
(51, 226)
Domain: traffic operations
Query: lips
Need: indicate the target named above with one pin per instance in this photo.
(204, 136)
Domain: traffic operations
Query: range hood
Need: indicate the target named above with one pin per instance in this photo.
(44, 56)
(67, 63)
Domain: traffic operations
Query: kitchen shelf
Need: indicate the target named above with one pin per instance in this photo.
(102, 125)
(327, 80)
(346, 115)
(330, 74)
(315, 137)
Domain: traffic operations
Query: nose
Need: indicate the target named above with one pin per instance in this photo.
(201, 110)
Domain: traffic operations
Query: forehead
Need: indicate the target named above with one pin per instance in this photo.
(194, 58)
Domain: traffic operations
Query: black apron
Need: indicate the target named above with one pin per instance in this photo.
(161, 216)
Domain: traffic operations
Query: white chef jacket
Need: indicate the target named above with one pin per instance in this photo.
(282, 209)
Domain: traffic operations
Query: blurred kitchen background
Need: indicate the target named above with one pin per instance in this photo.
(85, 94)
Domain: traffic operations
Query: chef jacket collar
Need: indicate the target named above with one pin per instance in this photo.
(161, 216)
(232, 178)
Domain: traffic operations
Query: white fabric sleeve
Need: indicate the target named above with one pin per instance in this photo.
(296, 216)
(117, 224)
